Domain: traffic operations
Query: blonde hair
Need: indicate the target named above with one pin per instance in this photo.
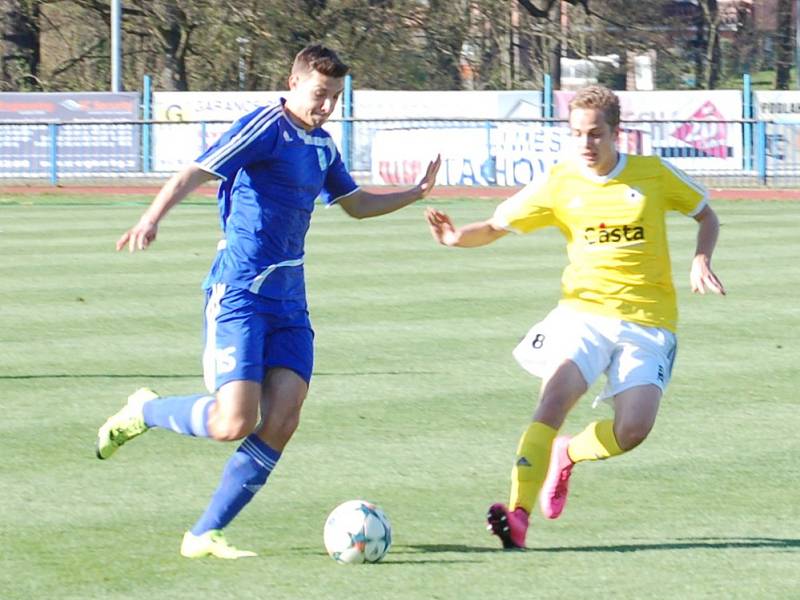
(598, 97)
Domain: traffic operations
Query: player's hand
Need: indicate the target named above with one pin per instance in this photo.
(441, 226)
(427, 183)
(703, 278)
(138, 237)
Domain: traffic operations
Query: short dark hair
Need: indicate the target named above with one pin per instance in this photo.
(598, 97)
(316, 57)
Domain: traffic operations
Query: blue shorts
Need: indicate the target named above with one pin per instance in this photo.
(246, 334)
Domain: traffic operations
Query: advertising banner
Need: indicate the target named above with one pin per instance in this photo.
(417, 111)
(783, 133)
(199, 118)
(99, 146)
(506, 154)
(696, 138)
(778, 106)
(392, 104)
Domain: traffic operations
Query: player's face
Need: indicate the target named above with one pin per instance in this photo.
(313, 97)
(594, 138)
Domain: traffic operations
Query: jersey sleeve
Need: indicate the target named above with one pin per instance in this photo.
(529, 209)
(682, 193)
(338, 181)
(251, 138)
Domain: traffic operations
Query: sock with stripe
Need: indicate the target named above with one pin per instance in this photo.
(596, 442)
(244, 474)
(187, 415)
(530, 467)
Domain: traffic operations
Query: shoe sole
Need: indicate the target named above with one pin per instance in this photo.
(114, 448)
(497, 523)
(97, 450)
(212, 554)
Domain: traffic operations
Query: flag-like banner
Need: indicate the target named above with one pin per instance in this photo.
(98, 141)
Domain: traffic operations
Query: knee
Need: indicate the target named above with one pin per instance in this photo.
(282, 419)
(231, 428)
(630, 435)
(288, 420)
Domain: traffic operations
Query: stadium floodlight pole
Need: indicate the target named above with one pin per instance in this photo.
(116, 46)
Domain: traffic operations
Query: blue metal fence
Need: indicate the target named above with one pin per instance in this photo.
(742, 153)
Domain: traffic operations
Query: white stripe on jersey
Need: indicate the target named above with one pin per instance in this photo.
(697, 187)
(256, 285)
(311, 140)
(342, 197)
(246, 136)
(319, 142)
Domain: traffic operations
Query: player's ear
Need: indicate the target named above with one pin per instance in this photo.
(294, 79)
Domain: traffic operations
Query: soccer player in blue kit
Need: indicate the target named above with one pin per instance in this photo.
(274, 163)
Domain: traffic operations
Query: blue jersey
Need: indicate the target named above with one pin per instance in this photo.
(272, 172)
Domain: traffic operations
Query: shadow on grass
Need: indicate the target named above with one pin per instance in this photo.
(99, 376)
(184, 375)
(440, 548)
(389, 561)
(702, 543)
(390, 558)
(368, 373)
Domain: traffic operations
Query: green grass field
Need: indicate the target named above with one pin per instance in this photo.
(416, 404)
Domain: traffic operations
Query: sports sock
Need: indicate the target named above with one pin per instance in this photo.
(596, 442)
(244, 474)
(530, 467)
(187, 415)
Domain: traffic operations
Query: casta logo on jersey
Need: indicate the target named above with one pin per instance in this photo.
(609, 234)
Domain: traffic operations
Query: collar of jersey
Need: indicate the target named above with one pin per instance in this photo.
(300, 131)
(622, 160)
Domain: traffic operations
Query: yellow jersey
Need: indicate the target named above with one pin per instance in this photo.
(615, 226)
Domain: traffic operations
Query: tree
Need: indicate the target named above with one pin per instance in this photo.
(550, 37)
(708, 36)
(20, 52)
(390, 44)
(784, 44)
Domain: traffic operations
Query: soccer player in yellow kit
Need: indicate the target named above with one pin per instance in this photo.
(618, 309)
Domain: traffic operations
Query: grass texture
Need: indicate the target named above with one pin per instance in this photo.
(416, 404)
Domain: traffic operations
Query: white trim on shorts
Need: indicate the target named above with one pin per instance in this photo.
(210, 351)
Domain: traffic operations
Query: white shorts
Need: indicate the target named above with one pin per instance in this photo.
(629, 354)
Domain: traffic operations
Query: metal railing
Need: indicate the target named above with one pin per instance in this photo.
(740, 153)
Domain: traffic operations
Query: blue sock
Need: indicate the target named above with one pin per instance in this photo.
(187, 415)
(244, 474)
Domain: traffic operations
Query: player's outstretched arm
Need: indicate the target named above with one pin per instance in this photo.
(185, 181)
(362, 204)
(701, 276)
(468, 236)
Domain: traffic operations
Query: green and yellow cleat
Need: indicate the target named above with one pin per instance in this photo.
(123, 426)
(211, 543)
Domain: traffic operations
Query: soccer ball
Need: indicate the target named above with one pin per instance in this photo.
(357, 531)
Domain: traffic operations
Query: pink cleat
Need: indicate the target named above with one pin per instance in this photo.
(509, 526)
(553, 497)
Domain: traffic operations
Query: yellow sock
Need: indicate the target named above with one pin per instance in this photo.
(596, 442)
(530, 467)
